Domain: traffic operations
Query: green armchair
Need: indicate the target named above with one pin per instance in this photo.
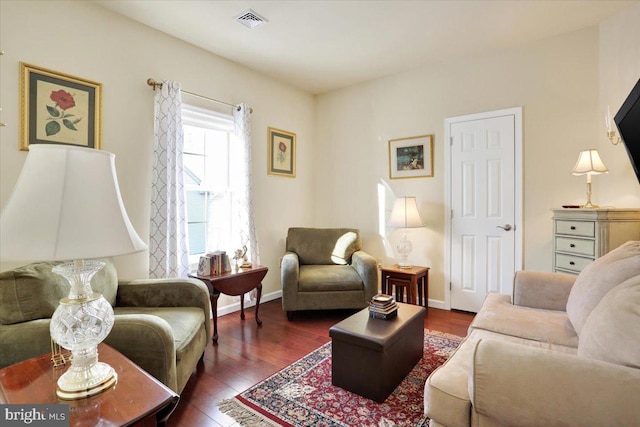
(325, 268)
(162, 325)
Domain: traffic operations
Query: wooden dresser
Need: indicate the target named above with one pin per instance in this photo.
(582, 235)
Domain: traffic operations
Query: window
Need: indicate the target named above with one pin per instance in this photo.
(209, 193)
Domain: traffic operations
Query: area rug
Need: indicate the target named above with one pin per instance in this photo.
(302, 394)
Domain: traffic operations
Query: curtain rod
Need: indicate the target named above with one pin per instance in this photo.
(154, 84)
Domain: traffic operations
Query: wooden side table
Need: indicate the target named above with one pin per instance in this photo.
(414, 279)
(137, 399)
(234, 283)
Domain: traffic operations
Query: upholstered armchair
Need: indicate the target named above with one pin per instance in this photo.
(162, 325)
(325, 268)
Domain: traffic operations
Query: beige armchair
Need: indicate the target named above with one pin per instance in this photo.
(162, 325)
(325, 268)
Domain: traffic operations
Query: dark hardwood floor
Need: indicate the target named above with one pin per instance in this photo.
(246, 354)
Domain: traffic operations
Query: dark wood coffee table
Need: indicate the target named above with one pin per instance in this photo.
(137, 399)
(234, 283)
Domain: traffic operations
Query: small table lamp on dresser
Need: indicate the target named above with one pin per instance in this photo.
(66, 205)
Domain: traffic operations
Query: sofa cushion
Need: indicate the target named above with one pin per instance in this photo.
(446, 391)
(34, 291)
(324, 278)
(612, 330)
(598, 278)
(323, 245)
(499, 315)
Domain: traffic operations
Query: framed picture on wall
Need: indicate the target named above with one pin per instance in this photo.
(57, 108)
(281, 153)
(411, 157)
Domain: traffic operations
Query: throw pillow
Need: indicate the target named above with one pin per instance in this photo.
(612, 330)
(345, 247)
(598, 278)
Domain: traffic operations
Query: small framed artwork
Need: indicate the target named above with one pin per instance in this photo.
(57, 108)
(411, 157)
(281, 153)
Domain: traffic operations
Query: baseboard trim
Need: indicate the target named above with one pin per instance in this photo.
(436, 303)
(232, 308)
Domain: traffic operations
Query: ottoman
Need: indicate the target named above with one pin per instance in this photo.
(370, 357)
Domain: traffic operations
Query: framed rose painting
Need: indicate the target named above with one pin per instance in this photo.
(281, 153)
(57, 108)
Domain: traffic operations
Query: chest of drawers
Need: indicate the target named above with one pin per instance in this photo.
(582, 235)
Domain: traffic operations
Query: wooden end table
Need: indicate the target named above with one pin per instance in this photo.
(137, 399)
(234, 283)
(414, 279)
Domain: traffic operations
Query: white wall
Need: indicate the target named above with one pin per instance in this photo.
(619, 72)
(563, 83)
(86, 40)
(554, 80)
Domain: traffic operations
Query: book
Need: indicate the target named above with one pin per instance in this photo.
(204, 266)
(383, 316)
(384, 310)
(383, 307)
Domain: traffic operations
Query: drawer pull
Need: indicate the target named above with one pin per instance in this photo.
(572, 245)
(573, 227)
(572, 263)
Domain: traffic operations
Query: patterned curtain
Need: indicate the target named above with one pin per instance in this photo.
(168, 228)
(243, 229)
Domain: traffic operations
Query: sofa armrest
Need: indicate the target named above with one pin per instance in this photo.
(289, 275)
(513, 384)
(367, 268)
(165, 293)
(537, 289)
(22, 341)
(148, 341)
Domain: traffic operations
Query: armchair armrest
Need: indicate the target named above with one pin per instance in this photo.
(513, 384)
(536, 289)
(148, 340)
(165, 293)
(289, 275)
(367, 268)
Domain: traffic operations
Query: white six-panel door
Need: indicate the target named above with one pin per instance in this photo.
(484, 199)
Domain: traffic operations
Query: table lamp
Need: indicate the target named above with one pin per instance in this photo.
(66, 205)
(589, 163)
(405, 215)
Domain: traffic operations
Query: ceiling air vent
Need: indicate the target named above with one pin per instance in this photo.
(250, 19)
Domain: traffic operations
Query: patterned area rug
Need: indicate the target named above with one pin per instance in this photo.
(302, 394)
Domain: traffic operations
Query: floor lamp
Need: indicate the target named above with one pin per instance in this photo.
(66, 205)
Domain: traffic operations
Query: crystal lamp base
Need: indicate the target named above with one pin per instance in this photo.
(404, 248)
(81, 322)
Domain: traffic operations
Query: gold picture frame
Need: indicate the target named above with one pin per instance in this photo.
(281, 153)
(411, 157)
(57, 108)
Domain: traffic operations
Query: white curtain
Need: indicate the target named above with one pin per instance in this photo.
(168, 255)
(244, 230)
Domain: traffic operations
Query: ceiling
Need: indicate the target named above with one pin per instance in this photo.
(319, 46)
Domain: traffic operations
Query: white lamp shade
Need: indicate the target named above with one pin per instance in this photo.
(405, 213)
(66, 205)
(589, 162)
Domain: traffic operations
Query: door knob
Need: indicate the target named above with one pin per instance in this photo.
(505, 227)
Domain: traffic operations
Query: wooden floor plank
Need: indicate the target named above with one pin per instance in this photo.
(246, 354)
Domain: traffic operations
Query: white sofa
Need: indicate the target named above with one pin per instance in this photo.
(565, 352)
